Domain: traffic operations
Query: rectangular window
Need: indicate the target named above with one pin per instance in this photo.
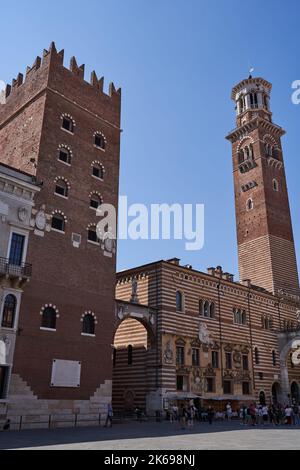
(96, 172)
(16, 249)
(228, 357)
(245, 362)
(195, 357)
(227, 385)
(180, 355)
(182, 383)
(246, 388)
(3, 381)
(210, 385)
(215, 359)
(58, 223)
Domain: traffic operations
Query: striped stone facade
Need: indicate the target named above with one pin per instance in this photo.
(257, 340)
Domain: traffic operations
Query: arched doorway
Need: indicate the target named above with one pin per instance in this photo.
(262, 398)
(275, 393)
(134, 371)
(295, 395)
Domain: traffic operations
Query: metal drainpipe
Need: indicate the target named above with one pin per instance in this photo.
(220, 335)
(251, 338)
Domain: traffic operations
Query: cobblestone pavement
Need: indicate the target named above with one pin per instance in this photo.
(156, 436)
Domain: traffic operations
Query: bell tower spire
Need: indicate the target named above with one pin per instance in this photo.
(266, 249)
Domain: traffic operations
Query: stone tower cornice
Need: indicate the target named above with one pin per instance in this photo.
(258, 122)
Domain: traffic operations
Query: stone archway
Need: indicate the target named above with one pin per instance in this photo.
(295, 392)
(135, 355)
(286, 342)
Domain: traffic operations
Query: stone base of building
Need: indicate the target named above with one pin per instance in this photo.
(26, 411)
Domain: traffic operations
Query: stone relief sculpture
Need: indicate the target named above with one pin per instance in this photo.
(168, 354)
(204, 335)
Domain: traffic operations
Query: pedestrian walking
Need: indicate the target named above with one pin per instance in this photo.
(109, 416)
(265, 414)
(288, 414)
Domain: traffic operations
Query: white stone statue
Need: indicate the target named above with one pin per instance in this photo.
(204, 334)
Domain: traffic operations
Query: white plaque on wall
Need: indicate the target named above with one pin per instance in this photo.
(65, 374)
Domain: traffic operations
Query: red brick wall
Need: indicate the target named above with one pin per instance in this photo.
(74, 280)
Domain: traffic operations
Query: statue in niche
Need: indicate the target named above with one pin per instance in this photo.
(168, 354)
(134, 295)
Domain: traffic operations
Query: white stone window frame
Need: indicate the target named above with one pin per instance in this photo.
(275, 185)
(50, 305)
(58, 212)
(68, 116)
(17, 294)
(93, 164)
(89, 312)
(99, 133)
(249, 200)
(24, 233)
(62, 178)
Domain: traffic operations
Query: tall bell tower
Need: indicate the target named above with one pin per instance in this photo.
(266, 249)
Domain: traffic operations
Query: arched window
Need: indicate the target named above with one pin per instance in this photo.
(61, 187)
(206, 310)
(97, 171)
(100, 141)
(256, 356)
(88, 325)
(274, 358)
(179, 301)
(241, 156)
(241, 103)
(9, 311)
(212, 310)
(64, 155)
(262, 398)
(247, 152)
(68, 123)
(249, 205)
(95, 201)
(49, 318)
(201, 307)
(58, 222)
(275, 185)
(130, 355)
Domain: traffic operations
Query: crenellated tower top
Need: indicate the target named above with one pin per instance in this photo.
(53, 57)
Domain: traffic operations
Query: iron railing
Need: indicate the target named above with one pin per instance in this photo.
(13, 270)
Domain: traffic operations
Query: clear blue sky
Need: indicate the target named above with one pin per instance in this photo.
(176, 61)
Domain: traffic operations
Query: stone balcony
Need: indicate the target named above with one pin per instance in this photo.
(17, 274)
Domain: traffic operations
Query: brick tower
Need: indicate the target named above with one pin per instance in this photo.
(66, 132)
(266, 250)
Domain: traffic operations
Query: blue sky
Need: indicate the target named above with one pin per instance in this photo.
(176, 61)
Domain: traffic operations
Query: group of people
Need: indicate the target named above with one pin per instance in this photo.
(273, 414)
(253, 414)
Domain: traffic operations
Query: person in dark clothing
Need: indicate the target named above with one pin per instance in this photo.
(210, 415)
(6, 426)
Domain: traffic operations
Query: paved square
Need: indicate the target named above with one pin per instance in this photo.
(156, 436)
